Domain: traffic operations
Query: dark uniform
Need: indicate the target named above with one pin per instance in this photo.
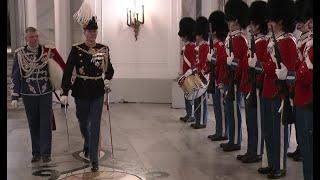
(88, 90)
(30, 80)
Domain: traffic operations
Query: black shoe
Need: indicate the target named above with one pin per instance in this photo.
(184, 119)
(35, 158)
(276, 175)
(200, 126)
(219, 138)
(192, 119)
(297, 157)
(194, 124)
(240, 157)
(293, 154)
(211, 136)
(86, 153)
(265, 170)
(252, 159)
(95, 168)
(224, 144)
(231, 147)
(46, 159)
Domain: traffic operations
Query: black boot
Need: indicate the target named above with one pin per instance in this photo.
(231, 147)
(95, 167)
(265, 170)
(184, 119)
(252, 159)
(200, 126)
(35, 158)
(276, 175)
(219, 138)
(46, 158)
(240, 157)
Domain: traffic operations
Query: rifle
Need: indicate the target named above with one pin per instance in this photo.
(287, 111)
(211, 64)
(230, 91)
(252, 99)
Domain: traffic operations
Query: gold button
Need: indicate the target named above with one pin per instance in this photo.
(80, 54)
(81, 60)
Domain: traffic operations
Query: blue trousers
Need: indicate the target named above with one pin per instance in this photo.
(254, 132)
(39, 115)
(234, 119)
(201, 114)
(219, 113)
(89, 114)
(275, 135)
(304, 122)
(188, 107)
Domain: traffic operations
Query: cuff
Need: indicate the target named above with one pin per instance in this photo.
(258, 66)
(291, 78)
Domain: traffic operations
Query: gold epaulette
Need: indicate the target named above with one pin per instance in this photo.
(19, 49)
(76, 44)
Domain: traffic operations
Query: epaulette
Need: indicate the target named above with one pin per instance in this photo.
(221, 43)
(76, 44)
(19, 49)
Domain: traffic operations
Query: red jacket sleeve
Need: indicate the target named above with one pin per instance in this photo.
(240, 49)
(190, 54)
(221, 63)
(203, 52)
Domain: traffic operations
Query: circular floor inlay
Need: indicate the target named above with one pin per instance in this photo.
(103, 173)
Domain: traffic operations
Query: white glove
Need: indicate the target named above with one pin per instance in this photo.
(308, 62)
(252, 61)
(282, 73)
(230, 59)
(64, 100)
(107, 83)
(14, 104)
(188, 73)
(209, 56)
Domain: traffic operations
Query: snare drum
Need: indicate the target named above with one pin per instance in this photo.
(193, 85)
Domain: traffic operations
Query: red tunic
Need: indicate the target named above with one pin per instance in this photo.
(189, 56)
(288, 52)
(304, 81)
(221, 64)
(240, 49)
(202, 51)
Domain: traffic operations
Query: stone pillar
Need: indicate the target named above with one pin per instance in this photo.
(62, 27)
(31, 13)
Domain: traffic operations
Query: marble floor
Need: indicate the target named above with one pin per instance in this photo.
(149, 141)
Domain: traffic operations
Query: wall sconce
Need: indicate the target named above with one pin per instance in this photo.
(135, 23)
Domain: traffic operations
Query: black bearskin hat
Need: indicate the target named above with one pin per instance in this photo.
(282, 10)
(187, 28)
(92, 24)
(202, 27)
(304, 10)
(258, 15)
(217, 19)
(237, 10)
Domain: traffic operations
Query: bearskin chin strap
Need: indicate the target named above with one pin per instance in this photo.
(84, 14)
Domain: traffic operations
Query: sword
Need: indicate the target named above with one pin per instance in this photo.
(108, 90)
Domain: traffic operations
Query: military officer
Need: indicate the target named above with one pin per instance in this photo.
(30, 80)
(218, 56)
(186, 33)
(91, 61)
(236, 47)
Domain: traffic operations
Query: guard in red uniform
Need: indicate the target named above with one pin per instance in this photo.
(281, 22)
(303, 94)
(202, 50)
(186, 33)
(256, 56)
(218, 58)
(236, 47)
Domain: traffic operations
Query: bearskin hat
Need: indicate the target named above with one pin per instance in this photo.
(284, 11)
(187, 28)
(258, 15)
(202, 27)
(304, 10)
(217, 20)
(237, 10)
